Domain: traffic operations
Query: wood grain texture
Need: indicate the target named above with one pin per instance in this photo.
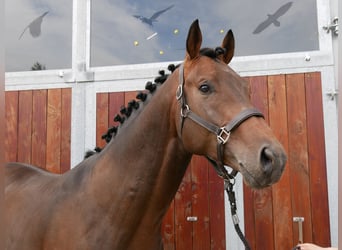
(54, 117)
(11, 125)
(263, 207)
(298, 154)
(25, 126)
(65, 130)
(317, 161)
(200, 203)
(216, 209)
(116, 100)
(39, 128)
(101, 118)
(183, 209)
(282, 211)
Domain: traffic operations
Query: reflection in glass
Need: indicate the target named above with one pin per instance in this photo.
(38, 34)
(142, 31)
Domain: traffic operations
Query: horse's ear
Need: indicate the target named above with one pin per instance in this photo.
(229, 44)
(194, 40)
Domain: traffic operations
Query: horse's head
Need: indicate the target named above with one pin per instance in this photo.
(217, 118)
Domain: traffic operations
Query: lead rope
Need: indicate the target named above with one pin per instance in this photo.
(228, 186)
(229, 182)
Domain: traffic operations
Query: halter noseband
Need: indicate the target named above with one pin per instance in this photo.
(222, 133)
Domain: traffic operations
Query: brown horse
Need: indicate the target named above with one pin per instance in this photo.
(116, 199)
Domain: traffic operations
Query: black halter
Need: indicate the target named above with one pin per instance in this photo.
(222, 134)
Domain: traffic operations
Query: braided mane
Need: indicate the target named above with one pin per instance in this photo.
(125, 112)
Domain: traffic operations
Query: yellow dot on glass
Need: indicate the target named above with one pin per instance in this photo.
(161, 52)
(175, 31)
(221, 31)
(136, 43)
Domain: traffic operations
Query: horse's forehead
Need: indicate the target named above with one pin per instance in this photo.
(214, 69)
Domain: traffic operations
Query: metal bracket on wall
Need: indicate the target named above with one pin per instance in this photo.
(332, 94)
(192, 218)
(300, 221)
(333, 27)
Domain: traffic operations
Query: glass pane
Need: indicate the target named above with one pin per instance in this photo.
(142, 31)
(38, 34)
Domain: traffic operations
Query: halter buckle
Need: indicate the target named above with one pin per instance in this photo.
(223, 135)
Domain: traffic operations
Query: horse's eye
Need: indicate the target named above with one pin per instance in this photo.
(204, 88)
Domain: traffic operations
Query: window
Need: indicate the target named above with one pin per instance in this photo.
(38, 34)
(145, 31)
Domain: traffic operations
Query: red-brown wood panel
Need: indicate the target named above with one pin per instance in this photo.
(102, 123)
(293, 107)
(316, 151)
(263, 208)
(168, 228)
(200, 203)
(39, 128)
(54, 116)
(11, 132)
(65, 130)
(216, 210)
(116, 100)
(183, 209)
(25, 126)
(129, 96)
(248, 197)
(282, 209)
(34, 119)
(298, 156)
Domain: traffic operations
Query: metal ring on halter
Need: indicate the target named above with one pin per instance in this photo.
(185, 110)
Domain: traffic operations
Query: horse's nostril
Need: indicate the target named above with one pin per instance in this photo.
(267, 160)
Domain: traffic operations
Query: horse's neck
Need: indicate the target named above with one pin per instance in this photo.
(141, 169)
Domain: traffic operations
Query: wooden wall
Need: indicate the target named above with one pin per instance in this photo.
(292, 105)
(37, 128)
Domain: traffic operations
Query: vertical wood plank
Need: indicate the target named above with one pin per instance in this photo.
(249, 216)
(248, 200)
(200, 203)
(282, 208)
(25, 126)
(116, 100)
(216, 210)
(168, 228)
(129, 96)
(39, 128)
(317, 161)
(298, 156)
(183, 209)
(65, 130)
(53, 157)
(11, 132)
(262, 198)
(101, 118)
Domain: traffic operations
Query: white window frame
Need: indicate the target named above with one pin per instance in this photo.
(86, 81)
